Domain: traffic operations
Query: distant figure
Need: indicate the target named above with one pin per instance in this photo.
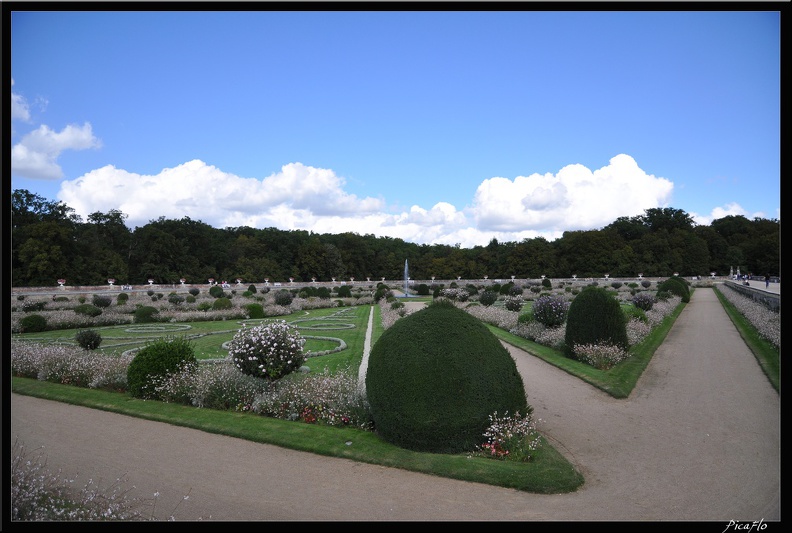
(767, 281)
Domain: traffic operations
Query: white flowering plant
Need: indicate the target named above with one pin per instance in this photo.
(269, 351)
(513, 437)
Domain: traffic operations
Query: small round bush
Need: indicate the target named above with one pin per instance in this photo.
(514, 303)
(434, 378)
(32, 307)
(150, 292)
(536, 289)
(646, 284)
(547, 283)
(20, 297)
(190, 299)
(252, 288)
(33, 323)
(101, 300)
(222, 303)
(423, 289)
(643, 300)
(195, 291)
(550, 310)
(175, 299)
(216, 291)
(344, 291)
(88, 310)
(153, 363)
(676, 285)
(594, 318)
(616, 284)
(515, 290)
(254, 310)
(88, 339)
(204, 306)
(122, 298)
(145, 314)
(284, 298)
(269, 351)
(323, 292)
(488, 298)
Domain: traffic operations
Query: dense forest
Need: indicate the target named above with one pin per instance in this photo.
(49, 241)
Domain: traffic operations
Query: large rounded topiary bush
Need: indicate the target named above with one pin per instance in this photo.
(594, 318)
(434, 378)
(676, 285)
(159, 358)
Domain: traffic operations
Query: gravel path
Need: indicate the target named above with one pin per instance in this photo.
(697, 440)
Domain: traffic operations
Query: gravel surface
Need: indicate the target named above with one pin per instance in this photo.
(697, 440)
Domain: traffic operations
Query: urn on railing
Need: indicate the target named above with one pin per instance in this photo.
(640, 276)
(712, 275)
(151, 282)
(512, 277)
(351, 280)
(433, 278)
(383, 278)
(61, 282)
(111, 281)
(182, 281)
(607, 276)
(574, 277)
(313, 279)
(291, 280)
(211, 281)
(266, 281)
(239, 281)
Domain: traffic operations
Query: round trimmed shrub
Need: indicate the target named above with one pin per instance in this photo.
(514, 303)
(88, 310)
(252, 288)
(547, 283)
(269, 351)
(550, 310)
(675, 285)
(153, 363)
(122, 298)
(145, 314)
(254, 310)
(216, 291)
(175, 299)
(434, 378)
(88, 339)
(222, 303)
(488, 298)
(644, 301)
(33, 323)
(190, 299)
(284, 298)
(32, 307)
(595, 317)
(646, 284)
(101, 300)
(344, 291)
(195, 291)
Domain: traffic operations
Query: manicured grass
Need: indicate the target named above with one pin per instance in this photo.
(549, 473)
(767, 355)
(620, 380)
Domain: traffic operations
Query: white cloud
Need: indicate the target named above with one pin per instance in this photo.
(314, 199)
(35, 156)
(573, 198)
(20, 110)
(298, 197)
(732, 209)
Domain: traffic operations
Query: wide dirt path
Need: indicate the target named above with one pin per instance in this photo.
(698, 440)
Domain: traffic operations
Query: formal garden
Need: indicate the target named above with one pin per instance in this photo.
(283, 366)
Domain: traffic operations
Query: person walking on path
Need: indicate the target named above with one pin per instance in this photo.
(767, 281)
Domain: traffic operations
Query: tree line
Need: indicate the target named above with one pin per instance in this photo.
(49, 242)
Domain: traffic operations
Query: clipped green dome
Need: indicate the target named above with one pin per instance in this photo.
(436, 376)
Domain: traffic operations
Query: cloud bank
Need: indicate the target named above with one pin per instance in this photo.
(309, 198)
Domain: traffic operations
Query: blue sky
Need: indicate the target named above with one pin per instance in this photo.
(447, 127)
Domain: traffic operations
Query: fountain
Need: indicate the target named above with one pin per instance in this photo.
(406, 278)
